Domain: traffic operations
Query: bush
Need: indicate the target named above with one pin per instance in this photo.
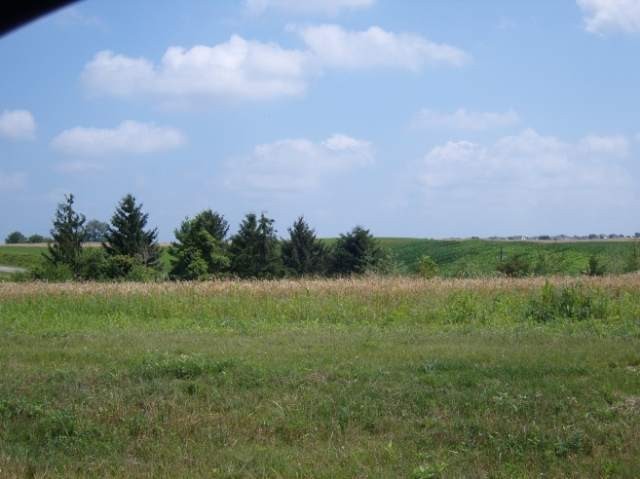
(92, 264)
(595, 267)
(427, 267)
(516, 266)
(145, 274)
(568, 302)
(53, 272)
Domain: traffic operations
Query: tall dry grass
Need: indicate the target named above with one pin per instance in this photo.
(345, 286)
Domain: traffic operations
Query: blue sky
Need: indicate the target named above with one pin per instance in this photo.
(412, 118)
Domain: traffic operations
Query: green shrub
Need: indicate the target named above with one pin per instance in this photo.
(119, 266)
(144, 274)
(92, 264)
(568, 302)
(427, 267)
(515, 266)
(53, 272)
(595, 266)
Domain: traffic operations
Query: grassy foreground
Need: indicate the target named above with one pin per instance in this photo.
(362, 378)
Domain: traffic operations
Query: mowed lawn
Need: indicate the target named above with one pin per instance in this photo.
(363, 378)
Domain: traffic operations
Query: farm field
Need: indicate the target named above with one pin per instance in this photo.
(454, 257)
(376, 377)
(479, 257)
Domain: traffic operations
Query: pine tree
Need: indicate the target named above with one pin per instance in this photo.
(68, 234)
(255, 252)
(356, 252)
(126, 235)
(200, 248)
(302, 253)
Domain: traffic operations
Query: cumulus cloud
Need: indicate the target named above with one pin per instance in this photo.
(237, 68)
(604, 16)
(296, 165)
(334, 47)
(616, 146)
(524, 165)
(327, 7)
(12, 181)
(129, 137)
(17, 125)
(463, 119)
(251, 70)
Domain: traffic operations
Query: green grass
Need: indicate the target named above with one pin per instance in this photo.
(373, 378)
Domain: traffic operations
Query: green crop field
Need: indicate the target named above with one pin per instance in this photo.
(362, 378)
(454, 257)
(479, 257)
(22, 256)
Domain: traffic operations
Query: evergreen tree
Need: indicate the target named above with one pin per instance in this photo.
(302, 253)
(126, 235)
(200, 249)
(254, 249)
(68, 234)
(356, 252)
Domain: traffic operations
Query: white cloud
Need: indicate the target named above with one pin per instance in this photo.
(333, 46)
(129, 137)
(327, 7)
(462, 119)
(235, 69)
(17, 125)
(12, 181)
(527, 165)
(616, 145)
(603, 16)
(296, 165)
(251, 70)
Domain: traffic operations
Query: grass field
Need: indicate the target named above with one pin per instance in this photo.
(364, 378)
(454, 258)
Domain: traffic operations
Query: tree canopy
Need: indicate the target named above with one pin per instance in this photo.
(356, 252)
(67, 236)
(254, 249)
(302, 253)
(127, 236)
(200, 250)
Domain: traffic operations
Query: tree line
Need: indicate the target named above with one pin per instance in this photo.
(202, 249)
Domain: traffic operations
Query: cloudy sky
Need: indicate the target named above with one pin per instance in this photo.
(428, 119)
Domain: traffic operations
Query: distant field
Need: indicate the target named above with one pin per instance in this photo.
(454, 257)
(479, 257)
(23, 256)
(325, 379)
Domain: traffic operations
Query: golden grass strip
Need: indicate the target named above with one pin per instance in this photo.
(355, 286)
